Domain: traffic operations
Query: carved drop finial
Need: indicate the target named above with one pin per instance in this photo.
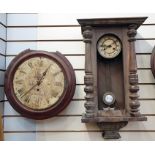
(87, 34)
(132, 32)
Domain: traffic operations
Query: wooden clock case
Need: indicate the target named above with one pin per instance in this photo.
(152, 62)
(64, 99)
(117, 75)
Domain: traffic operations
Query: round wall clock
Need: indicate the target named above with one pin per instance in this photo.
(39, 84)
(109, 46)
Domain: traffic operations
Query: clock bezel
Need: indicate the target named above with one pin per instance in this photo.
(113, 35)
(63, 101)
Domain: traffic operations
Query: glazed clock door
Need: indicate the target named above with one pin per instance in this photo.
(111, 73)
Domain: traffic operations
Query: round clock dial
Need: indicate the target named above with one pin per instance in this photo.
(39, 84)
(109, 46)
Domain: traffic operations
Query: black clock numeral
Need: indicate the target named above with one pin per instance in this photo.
(40, 63)
(30, 64)
(27, 99)
(21, 91)
(21, 71)
(38, 101)
(19, 81)
(55, 74)
(58, 84)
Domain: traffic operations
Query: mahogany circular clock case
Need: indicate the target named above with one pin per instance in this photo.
(39, 84)
(152, 62)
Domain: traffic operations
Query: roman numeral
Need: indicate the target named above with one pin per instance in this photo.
(27, 99)
(58, 83)
(19, 81)
(21, 91)
(40, 63)
(57, 73)
(38, 101)
(21, 71)
(30, 64)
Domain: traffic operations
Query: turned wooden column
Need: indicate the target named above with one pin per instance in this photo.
(88, 78)
(133, 76)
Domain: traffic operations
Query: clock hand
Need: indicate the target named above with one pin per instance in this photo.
(29, 90)
(44, 74)
(109, 46)
(38, 82)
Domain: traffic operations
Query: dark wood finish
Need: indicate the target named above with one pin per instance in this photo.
(111, 73)
(117, 75)
(88, 79)
(152, 62)
(133, 76)
(112, 21)
(61, 103)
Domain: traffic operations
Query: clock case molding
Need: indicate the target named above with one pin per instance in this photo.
(64, 100)
(112, 120)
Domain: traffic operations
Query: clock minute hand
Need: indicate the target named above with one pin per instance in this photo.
(29, 90)
(38, 82)
(109, 46)
(44, 73)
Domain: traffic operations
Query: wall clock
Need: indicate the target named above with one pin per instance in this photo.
(111, 80)
(39, 84)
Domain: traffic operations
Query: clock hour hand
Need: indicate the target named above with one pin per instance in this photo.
(108, 46)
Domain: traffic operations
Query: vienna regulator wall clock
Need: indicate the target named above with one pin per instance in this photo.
(111, 80)
(39, 84)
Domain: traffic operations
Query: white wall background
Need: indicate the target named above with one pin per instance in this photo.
(61, 32)
(2, 57)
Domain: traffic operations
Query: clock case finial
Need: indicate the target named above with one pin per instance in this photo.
(125, 86)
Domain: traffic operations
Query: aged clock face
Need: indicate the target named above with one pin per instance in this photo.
(109, 46)
(38, 83)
